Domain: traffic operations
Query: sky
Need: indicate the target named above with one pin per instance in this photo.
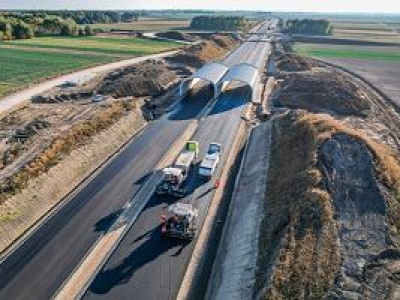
(385, 6)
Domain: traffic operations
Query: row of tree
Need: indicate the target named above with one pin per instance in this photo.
(87, 17)
(26, 26)
(218, 23)
(309, 26)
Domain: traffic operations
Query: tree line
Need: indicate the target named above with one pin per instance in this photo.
(218, 23)
(93, 17)
(309, 26)
(26, 26)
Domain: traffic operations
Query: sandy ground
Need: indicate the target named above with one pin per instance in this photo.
(385, 75)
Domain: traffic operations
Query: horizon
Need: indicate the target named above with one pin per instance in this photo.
(205, 10)
(284, 6)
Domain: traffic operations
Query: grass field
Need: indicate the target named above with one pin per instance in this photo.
(20, 67)
(102, 45)
(28, 61)
(359, 52)
(148, 25)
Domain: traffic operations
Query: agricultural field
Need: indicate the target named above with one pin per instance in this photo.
(349, 51)
(101, 45)
(20, 67)
(147, 25)
(368, 31)
(28, 61)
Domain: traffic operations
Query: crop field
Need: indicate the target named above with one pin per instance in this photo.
(368, 31)
(102, 45)
(343, 51)
(148, 25)
(20, 67)
(28, 61)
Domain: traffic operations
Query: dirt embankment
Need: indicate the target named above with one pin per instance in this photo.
(178, 35)
(332, 207)
(213, 49)
(66, 125)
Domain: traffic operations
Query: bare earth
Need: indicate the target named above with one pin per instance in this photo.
(385, 75)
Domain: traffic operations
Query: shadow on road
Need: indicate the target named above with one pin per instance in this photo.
(104, 224)
(154, 246)
(193, 102)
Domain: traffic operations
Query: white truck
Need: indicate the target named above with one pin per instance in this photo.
(210, 161)
(174, 177)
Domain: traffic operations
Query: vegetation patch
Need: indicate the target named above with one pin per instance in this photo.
(9, 216)
(104, 45)
(355, 52)
(308, 26)
(20, 67)
(219, 23)
(142, 24)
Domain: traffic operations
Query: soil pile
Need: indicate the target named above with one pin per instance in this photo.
(178, 35)
(63, 96)
(150, 78)
(197, 55)
(224, 41)
(322, 91)
(290, 62)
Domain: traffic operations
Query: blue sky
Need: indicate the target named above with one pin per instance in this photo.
(388, 6)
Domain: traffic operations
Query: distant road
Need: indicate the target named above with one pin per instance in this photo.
(17, 99)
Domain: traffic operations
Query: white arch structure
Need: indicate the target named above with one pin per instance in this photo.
(211, 72)
(245, 73)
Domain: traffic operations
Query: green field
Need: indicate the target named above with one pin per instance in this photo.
(102, 45)
(20, 67)
(357, 52)
(27, 61)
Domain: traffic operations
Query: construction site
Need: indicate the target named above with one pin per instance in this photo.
(233, 168)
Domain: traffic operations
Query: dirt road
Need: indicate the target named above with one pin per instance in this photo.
(20, 98)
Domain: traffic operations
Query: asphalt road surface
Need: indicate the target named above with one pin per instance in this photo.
(147, 265)
(39, 267)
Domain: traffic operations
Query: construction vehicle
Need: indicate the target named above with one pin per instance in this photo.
(174, 177)
(181, 221)
(210, 161)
